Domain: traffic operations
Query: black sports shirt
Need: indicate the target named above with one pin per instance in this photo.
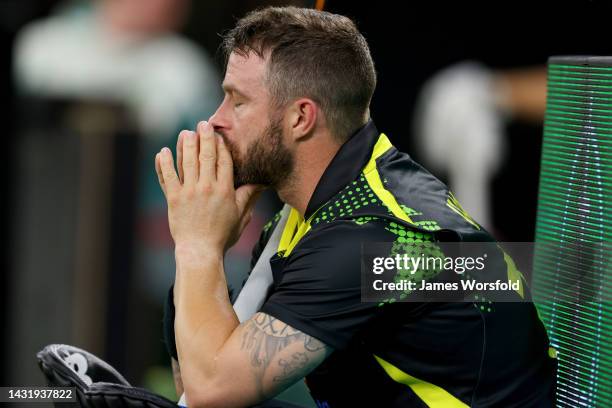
(396, 354)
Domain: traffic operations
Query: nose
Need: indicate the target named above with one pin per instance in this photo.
(220, 120)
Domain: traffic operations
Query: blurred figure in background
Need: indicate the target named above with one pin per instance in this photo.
(128, 52)
(460, 125)
(121, 50)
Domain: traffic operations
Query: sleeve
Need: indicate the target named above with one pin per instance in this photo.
(320, 290)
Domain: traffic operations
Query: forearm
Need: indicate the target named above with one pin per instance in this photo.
(206, 213)
(204, 318)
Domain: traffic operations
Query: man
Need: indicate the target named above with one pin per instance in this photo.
(295, 117)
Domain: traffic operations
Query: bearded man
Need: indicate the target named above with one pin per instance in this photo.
(295, 118)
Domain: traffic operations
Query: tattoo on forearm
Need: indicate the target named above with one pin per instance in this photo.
(297, 362)
(264, 336)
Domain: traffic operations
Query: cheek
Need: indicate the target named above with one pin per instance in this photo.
(248, 126)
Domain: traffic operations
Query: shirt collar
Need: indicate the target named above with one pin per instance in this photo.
(346, 165)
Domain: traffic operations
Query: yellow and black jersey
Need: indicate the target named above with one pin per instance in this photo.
(392, 354)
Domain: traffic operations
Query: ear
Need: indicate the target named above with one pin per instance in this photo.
(302, 117)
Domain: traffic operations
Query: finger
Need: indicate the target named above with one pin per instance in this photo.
(246, 219)
(208, 151)
(225, 164)
(171, 180)
(190, 157)
(179, 155)
(246, 196)
(160, 176)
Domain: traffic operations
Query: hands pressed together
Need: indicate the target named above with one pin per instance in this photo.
(205, 211)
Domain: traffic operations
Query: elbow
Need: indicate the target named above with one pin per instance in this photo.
(199, 400)
(198, 396)
(208, 401)
(218, 389)
(210, 398)
(208, 395)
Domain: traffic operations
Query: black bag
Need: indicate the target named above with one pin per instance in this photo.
(98, 385)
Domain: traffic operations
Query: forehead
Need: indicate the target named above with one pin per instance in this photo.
(244, 72)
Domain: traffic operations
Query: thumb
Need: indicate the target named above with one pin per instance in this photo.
(246, 218)
(246, 196)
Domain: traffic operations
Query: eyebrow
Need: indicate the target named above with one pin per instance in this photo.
(232, 89)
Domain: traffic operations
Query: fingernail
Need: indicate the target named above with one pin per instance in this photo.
(165, 150)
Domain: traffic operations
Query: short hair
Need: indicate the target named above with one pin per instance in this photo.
(314, 54)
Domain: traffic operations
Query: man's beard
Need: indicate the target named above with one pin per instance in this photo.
(267, 160)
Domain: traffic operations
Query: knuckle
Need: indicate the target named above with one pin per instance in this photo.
(206, 188)
(206, 157)
(173, 199)
(169, 175)
(189, 193)
(226, 192)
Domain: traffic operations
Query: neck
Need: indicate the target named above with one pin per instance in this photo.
(312, 157)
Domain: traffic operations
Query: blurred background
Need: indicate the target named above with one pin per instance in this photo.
(93, 89)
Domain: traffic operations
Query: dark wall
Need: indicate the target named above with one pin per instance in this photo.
(413, 41)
